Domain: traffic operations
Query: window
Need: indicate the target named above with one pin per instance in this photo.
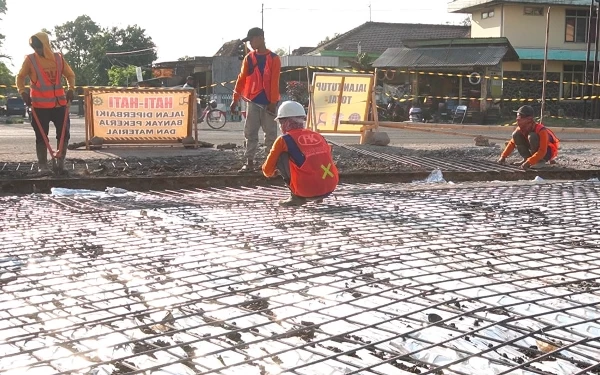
(576, 29)
(531, 67)
(488, 14)
(572, 76)
(533, 11)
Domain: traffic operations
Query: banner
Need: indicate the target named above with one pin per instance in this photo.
(339, 97)
(162, 73)
(139, 116)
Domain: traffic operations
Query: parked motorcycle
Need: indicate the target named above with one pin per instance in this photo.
(416, 114)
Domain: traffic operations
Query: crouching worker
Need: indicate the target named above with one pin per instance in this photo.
(302, 157)
(536, 144)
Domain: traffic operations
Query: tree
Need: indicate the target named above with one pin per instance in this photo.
(328, 39)
(121, 76)
(185, 58)
(362, 62)
(75, 40)
(2, 11)
(466, 21)
(6, 77)
(124, 47)
(281, 51)
(92, 51)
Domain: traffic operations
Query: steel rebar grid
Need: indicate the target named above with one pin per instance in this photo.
(379, 280)
(424, 163)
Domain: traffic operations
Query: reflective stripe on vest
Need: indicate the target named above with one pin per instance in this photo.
(44, 93)
(257, 82)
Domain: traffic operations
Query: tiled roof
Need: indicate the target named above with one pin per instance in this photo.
(376, 37)
(229, 48)
(302, 51)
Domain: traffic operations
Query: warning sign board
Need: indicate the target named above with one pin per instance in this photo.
(122, 115)
(339, 97)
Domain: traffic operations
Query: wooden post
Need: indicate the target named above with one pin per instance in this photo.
(195, 117)
(339, 104)
(87, 117)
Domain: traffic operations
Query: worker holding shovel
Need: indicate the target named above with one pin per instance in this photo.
(258, 84)
(47, 98)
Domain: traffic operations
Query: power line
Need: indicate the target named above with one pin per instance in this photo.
(129, 52)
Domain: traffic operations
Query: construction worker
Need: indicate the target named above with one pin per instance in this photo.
(189, 83)
(302, 157)
(534, 142)
(258, 83)
(47, 97)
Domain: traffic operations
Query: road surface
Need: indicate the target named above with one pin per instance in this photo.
(17, 141)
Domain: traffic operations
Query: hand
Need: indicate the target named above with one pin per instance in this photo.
(69, 95)
(272, 108)
(502, 160)
(233, 106)
(525, 166)
(26, 98)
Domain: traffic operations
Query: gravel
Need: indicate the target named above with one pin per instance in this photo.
(215, 161)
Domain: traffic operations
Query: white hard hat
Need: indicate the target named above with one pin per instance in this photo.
(290, 108)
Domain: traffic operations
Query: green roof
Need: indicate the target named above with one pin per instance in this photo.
(553, 54)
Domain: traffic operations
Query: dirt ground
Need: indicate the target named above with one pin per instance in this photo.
(213, 161)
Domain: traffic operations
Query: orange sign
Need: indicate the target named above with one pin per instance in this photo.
(162, 73)
(126, 115)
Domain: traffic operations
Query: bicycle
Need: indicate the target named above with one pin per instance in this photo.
(215, 118)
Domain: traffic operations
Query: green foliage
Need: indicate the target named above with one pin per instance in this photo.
(121, 76)
(281, 51)
(92, 51)
(6, 77)
(328, 39)
(2, 11)
(362, 62)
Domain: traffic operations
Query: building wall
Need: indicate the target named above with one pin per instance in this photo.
(225, 69)
(525, 31)
(516, 66)
(486, 28)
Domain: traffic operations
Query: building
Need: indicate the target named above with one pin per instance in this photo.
(523, 23)
(430, 72)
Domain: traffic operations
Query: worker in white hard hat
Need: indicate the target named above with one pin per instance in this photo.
(302, 157)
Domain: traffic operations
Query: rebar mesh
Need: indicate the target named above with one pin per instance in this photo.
(379, 279)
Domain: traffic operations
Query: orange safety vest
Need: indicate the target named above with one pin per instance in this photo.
(45, 93)
(312, 170)
(553, 141)
(255, 81)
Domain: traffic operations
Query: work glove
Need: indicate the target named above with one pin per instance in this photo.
(26, 98)
(69, 95)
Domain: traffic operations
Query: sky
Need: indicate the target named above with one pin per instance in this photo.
(200, 27)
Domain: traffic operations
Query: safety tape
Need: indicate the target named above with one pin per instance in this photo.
(394, 71)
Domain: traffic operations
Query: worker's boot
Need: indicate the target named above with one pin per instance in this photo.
(60, 160)
(247, 167)
(292, 200)
(42, 157)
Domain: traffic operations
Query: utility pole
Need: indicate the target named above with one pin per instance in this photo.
(262, 16)
(587, 59)
(545, 73)
(370, 12)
